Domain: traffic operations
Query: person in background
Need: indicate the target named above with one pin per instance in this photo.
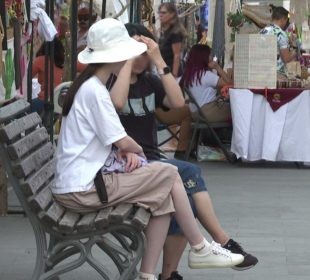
(84, 21)
(93, 144)
(135, 94)
(182, 118)
(63, 27)
(199, 29)
(203, 83)
(171, 38)
(280, 22)
(38, 69)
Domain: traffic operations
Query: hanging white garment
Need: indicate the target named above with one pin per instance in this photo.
(118, 7)
(46, 27)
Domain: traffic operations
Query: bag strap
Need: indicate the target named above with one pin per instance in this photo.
(100, 187)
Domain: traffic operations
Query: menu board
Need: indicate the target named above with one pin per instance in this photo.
(255, 61)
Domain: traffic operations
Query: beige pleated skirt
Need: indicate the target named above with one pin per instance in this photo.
(148, 187)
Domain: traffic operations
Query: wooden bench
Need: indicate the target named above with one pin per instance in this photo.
(28, 157)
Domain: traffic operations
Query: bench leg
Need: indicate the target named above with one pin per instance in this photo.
(3, 192)
(125, 251)
(41, 251)
(130, 256)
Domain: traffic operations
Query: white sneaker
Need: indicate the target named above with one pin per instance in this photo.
(216, 256)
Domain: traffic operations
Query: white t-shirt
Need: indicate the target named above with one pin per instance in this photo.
(86, 138)
(204, 92)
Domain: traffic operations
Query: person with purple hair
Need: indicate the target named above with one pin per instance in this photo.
(203, 77)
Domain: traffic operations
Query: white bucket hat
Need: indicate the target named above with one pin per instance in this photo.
(108, 41)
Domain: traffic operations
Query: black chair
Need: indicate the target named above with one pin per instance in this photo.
(202, 123)
(172, 134)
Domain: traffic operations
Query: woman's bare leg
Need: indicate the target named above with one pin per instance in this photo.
(156, 233)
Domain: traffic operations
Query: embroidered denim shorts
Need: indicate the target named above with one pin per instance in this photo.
(193, 183)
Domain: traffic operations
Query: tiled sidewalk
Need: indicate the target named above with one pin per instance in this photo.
(265, 208)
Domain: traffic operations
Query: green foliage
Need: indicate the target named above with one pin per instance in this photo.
(8, 75)
(235, 21)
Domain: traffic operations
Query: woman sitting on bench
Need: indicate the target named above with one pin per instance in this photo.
(90, 174)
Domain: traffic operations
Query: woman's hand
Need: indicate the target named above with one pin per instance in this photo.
(132, 160)
(152, 50)
(214, 65)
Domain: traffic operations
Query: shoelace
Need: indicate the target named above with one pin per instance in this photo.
(217, 249)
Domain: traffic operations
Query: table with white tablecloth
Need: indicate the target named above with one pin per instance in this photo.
(259, 132)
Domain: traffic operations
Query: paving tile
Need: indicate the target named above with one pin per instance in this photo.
(299, 270)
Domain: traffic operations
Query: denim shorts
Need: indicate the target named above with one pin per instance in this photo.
(193, 183)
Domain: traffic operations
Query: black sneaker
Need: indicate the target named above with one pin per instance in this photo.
(249, 260)
(173, 276)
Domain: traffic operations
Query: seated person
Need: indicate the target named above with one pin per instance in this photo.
(203, 83)
(280, 22)
(38, 69)
(181, 117)
(135, 94)
(91, 127)
(85, 19)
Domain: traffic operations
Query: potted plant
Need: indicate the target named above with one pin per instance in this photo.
(235, 21)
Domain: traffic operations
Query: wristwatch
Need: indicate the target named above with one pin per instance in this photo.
(164, 71)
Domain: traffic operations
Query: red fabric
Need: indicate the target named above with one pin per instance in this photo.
(278, 97)
(38, 69)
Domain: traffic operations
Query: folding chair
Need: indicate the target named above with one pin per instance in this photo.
(202, 123)
(59, 94)
(172, 134)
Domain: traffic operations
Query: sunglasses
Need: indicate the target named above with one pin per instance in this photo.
(83, 17)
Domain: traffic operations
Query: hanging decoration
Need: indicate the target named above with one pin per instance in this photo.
(8, 76)
(46, 27)
(1, 39)
(235, 18)
(147, 14)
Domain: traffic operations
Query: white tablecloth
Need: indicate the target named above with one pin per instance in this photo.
(261, 133)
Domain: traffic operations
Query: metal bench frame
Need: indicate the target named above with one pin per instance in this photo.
(28, 158)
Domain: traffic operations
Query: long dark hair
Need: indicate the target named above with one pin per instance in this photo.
(176, 26)
(196, 64)
(88, 72)
(59, 52)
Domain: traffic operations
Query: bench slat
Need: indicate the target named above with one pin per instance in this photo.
(18, 126)
(34, 161)
(41, 200)
(120, 213)
(141, 218)
(14, 109)
(87, 222)
(53, 215)
(102, 220)
(35, 181)
(27, 143)
(68, 222)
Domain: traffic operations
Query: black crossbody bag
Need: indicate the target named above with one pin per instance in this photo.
(100, 188)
